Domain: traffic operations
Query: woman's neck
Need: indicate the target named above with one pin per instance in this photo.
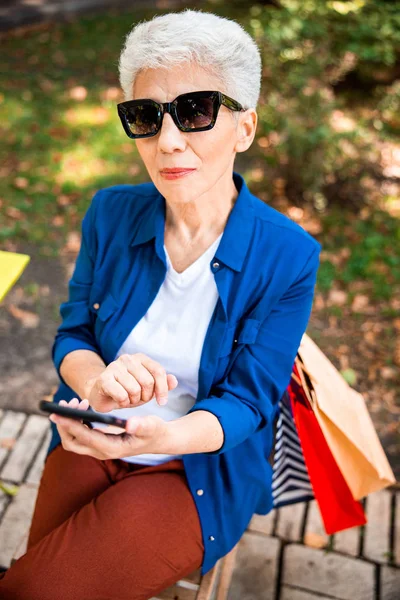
(202, 219)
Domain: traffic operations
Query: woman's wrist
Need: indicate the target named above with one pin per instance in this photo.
(199, 431)
(87, 387)
(80, 369)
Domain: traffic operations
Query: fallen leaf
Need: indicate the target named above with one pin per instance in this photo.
(28, 319)
(73, 242)
(7, 443)
(369, 337)
(360, 301)
(21, 182)
(388, 373)
(9, 488)
(58, 221)
(111, 93)
(315, 541)
(63, 200)
(396, 355)
(337, 298)
(59, 132)
(14, 213)
(78, 93)
(295, 213)
(349, 375)
(319, 302)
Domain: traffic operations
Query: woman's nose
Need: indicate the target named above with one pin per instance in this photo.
(170, 137)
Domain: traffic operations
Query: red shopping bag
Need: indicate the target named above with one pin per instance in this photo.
(338, 508)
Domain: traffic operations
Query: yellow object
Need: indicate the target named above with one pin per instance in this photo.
(11, 267)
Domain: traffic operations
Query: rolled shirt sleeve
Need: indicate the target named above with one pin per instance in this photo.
(245, 401)
(76, 331)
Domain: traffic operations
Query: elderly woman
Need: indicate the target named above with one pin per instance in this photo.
(185, 313)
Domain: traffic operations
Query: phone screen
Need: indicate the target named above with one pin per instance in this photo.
(88, 415)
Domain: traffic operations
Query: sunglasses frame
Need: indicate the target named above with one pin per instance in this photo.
(218, 98)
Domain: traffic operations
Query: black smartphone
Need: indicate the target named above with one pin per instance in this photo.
(87, 416)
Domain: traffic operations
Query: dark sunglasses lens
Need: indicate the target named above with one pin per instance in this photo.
(194, 113)
(142, 119)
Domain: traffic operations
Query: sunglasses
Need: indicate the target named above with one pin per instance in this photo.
(194, 111)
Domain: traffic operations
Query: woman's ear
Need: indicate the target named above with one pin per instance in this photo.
(246, 129)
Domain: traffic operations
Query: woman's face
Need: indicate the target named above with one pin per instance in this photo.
(210, 152)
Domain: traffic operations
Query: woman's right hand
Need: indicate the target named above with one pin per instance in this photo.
(131, 380)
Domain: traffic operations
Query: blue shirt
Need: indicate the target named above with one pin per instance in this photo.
(265, 270)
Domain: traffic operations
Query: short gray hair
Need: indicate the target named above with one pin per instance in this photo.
(219, 45)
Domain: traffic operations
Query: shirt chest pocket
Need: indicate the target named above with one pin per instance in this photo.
(242, 332)
(101, 304)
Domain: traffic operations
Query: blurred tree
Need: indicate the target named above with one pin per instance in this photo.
(309, 49)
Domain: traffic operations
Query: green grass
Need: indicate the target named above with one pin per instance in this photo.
(62, 141)
(61, 136)
(374, 245)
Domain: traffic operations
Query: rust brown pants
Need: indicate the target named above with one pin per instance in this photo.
(106, 530)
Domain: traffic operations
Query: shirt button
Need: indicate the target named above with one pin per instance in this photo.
(235, 341)
(211, 538)
(96, 306)
(200, 492)
(216, 265)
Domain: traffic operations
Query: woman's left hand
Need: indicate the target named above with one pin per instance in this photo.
(142, 435)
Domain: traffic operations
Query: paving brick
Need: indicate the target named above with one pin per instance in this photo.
(290, 521)
(289, 593)
(26, 446)
(255, 574)
(397, 531)
(16, 522)
(377, 529)
(35, 472)
(390, 583)
(263, 523)
(314, 534)
(324, 572)
(347, 541)
(9, 428)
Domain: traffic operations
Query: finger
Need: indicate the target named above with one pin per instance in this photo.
(130, 377)
(172, 381)
(132, 370)
(112, 389)
(75, 435)
(76, 403)
(145, 380)
(102, 445)
(84, 405)
(160, 379)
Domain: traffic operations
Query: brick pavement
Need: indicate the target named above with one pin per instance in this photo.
(285, 555)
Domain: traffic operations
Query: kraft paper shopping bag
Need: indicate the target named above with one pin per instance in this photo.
(345, 422)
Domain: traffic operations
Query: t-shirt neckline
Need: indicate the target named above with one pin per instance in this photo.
(184, 275)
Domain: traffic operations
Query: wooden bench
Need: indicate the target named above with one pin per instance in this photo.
(214, 585)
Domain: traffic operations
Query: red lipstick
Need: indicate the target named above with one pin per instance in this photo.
(176, 172)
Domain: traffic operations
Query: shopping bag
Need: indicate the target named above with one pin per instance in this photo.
(339, 510)
(290, 480)
(346, 425)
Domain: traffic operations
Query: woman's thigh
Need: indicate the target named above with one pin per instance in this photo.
(129, 542)
(68, 482)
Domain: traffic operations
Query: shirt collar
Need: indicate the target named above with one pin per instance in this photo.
(237, 234)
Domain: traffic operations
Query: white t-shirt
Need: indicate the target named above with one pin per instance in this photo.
(172, 332)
